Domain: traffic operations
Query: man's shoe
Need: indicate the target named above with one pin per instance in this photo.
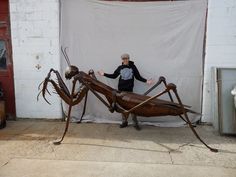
(124, 124)
(137, 127)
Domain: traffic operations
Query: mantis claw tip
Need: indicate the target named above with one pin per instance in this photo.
(57, 143)
(214, 150)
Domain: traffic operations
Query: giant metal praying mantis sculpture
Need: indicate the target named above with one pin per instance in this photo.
(121, 102)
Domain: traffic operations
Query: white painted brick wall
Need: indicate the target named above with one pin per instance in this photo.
(35, 40)
(220, 46)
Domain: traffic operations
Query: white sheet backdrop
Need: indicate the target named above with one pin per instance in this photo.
(162, 38)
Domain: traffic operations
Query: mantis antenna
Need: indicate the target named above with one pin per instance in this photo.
(65, 55)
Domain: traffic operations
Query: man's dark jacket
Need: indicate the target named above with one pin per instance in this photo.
(127, 74)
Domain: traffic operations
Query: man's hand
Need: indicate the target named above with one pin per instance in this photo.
(150, 81)
(101, 73)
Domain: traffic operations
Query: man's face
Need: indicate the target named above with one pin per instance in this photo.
(125, 61)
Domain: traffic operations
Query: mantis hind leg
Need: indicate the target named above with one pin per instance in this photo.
(189, 122)
(196, 134)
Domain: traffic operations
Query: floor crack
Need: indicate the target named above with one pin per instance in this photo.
(185, 144)
(5, 164)
(172, 162)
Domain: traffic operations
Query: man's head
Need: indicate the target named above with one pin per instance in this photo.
(125, 58)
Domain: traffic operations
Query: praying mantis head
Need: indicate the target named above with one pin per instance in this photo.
(71, 70)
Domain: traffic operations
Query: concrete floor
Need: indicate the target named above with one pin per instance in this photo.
(105, 150)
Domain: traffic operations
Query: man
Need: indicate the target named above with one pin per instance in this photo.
(127, 72)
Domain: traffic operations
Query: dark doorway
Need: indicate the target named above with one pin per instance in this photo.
(6, 65)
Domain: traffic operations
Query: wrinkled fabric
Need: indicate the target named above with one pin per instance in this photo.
(162, 38)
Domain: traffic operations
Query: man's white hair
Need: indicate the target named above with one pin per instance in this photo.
(125, 55)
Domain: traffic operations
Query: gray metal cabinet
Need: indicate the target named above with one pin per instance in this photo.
(224, 80)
